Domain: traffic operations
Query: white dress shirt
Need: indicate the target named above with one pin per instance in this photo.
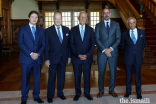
(60, 31)
(81, 28)
(32, 26)
(135, 33)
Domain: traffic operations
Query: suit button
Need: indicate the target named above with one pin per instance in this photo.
(134, 52)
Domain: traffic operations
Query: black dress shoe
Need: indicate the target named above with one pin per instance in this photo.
(139, 96)
(76, 97)
(23, 102)
(127, 94)
(89, 97)
(49, 100)
(39, 100)
(62, 97)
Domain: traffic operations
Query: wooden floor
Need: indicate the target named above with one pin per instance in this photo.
(10, 76)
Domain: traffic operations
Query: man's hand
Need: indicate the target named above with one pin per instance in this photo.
(34, 56)
(82, 57)
(47, 63)
(69, 61)
(109, 55)
(108, 51)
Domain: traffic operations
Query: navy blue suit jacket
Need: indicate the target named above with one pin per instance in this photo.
(27, 44)
(133, 53)
(84, 47)
(54, 49)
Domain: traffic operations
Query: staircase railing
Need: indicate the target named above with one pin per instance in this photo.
(126, 10)
(151, 5)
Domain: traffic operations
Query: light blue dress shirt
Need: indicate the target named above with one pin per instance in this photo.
(60, 31)
(135, 32)
(81, 28)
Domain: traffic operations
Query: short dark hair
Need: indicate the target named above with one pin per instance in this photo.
(35, 12)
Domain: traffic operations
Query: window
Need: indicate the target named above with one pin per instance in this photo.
(66, 19)
(49, 21)
(76, 21)
(94, 19)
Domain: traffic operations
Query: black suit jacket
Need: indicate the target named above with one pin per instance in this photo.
(53, 47)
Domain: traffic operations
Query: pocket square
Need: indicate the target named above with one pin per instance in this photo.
(141, 35)
(67, 34)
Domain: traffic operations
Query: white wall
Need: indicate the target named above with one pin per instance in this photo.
(21, 8)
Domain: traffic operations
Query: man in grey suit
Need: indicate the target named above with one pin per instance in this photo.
(108, 36)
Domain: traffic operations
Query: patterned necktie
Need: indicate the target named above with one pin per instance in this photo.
(82, 33)
(107, 28)
(59, 34)
(133, 37)
(33, 31)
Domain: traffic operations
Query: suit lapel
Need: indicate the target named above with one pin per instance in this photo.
(85, 34)
(64, 34)
(29, 32)
(37, 34)
(54, 34)
(138, 31)
(78, 33)
(111, 26)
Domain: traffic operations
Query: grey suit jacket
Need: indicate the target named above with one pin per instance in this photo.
(104, 40)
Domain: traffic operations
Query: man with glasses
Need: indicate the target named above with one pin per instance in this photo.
(107, 38)
(133, 42)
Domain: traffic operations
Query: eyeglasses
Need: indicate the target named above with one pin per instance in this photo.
(106, 12)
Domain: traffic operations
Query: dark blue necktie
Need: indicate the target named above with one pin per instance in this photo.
(33, 31)
(107, 28)
(59, 34)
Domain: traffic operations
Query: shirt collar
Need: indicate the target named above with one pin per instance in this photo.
(32, 26)
(133, 30)
(107, 21)
(57, 27)
(81, 26)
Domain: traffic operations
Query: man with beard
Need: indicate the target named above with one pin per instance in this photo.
(56, 55)
(107, 38)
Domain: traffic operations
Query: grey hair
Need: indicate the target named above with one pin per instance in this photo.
(130, 18)
(57, 13)
(82, 12)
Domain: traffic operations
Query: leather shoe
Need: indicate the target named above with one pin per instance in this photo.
(127, 94)
(62, 97)
(76, 97)
(39, 100)
(113, 93)
(100, 94)
(139, 96)
(49, 100)
(89, 97)
(23, 102)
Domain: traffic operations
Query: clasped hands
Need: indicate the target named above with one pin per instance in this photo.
(82, 57)
(34, 56)
(108, 52)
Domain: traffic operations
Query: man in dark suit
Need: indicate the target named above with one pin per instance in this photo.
(82, 44)
(107, 38)
(57, 54)
(31, 41)
(133, 42)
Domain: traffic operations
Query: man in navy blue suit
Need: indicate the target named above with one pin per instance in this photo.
(31, 41)
(133, 42)
(82, 44)
(57, 54)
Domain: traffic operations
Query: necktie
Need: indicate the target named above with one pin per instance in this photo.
(82, 33)
(33, 31)
(59, 34)
(133, 37)
(107, 28)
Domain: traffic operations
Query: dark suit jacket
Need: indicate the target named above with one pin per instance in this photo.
(105, 40)
(27, 44)
(54, 49)
(133, 53)
(82, 47)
